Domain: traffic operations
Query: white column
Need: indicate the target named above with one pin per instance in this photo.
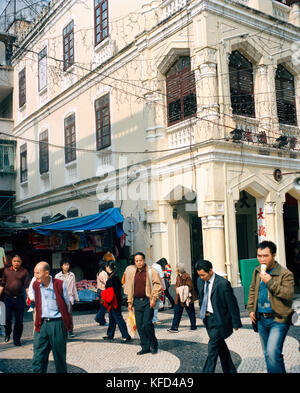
(214, 242)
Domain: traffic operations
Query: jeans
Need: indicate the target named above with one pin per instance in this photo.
(178, 310)
(272, 335)
(100, 316)
(155, 312)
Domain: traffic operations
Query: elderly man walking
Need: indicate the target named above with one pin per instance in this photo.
(52, 321)
(143, 290)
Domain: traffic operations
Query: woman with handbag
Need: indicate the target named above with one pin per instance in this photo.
(185, 297)
(101, 282)
(114, 309)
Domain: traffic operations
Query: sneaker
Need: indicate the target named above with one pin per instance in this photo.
(71, 334)
(172, 330)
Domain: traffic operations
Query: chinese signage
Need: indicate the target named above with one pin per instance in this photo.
(261, 220)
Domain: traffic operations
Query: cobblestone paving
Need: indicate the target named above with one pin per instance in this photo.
(183, 352)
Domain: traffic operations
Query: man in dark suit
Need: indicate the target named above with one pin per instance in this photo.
(220, 314)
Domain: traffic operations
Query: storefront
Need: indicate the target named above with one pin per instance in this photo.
(83, 240)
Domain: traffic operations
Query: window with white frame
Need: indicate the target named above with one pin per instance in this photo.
(44, 152)
(70, 138)
(68, 45)
(42, 68)
(102, 112)
(23, 163)
(101, 20)
(22, 87)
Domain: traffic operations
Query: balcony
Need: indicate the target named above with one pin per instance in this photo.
(248, 131)
(181, 134)
(280, 9)
(169, 7)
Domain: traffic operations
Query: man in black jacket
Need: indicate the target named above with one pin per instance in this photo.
(220, 314)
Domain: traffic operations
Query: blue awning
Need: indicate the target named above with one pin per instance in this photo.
(93, 222)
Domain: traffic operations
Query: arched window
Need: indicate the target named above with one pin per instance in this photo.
(285, 96)
(241, 85)
(181, 91)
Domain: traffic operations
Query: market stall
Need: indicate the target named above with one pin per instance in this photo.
(84, 240)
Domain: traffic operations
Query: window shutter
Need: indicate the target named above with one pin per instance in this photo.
(241, 85)
(181, 91)
(285, 96)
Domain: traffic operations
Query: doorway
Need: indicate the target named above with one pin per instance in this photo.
(196, 240)
(291, 230)
(246, 226)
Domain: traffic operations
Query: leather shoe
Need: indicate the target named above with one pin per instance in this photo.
(17, 343)
(143, 351)
(153, 351)
(107, 338)
(7, 338)
(125, 340)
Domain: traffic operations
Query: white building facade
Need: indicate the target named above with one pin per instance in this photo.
(176, 111)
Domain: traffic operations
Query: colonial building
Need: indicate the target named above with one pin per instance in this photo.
(176, 111)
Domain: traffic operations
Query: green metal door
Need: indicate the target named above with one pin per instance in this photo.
(247, 267)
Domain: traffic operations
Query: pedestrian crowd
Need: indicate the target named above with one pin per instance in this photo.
(146, 289)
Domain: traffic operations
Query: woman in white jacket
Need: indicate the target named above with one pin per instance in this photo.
(70, 281)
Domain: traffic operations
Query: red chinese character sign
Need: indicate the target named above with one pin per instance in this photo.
(261, 220)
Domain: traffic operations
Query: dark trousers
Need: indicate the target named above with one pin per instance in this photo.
(178, 310)
(16, 306)
(167, 294)
(216, 347)
(52, 336)
(115, 318)
(100, 316)
(145, 327)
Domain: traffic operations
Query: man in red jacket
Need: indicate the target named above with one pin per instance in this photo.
(52, 321)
